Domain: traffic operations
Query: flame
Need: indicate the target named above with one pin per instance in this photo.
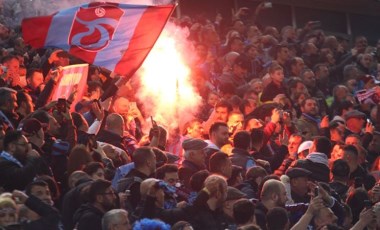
(166, 89)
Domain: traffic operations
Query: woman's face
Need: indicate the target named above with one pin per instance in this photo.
(337, 153)
(8, 216)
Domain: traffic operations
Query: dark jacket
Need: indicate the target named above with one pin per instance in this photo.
(271, 91)
(16, 177)
(49, 215)
(320, 171)
(88, 217)
(186, 170)
(135, 195)
(260, 215)
(242, 158)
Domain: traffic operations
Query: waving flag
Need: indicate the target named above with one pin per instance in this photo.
(111, 35)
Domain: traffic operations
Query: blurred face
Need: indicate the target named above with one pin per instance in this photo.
(281, 197)
(253, 124)
(21, 149)
(198, 157)
(258, 87)
(54, 126)
(352, 141)
(323, 72)
(227, 168)
(310, 107)
(337, 133)
(99, 174)
(171, 178)
(294, 143)
(325, 217)
(108, 199)
(298, 67)
(278, 76)
(300, 88)
(237, 46)
(122, 224)
(283, 54)
(221, 136)
(12, 103)
(235, 122)
(212, 99)
(13, 65)
(239, 71)
(309, 79)
(337, 153)
(8, 216)
(42, 193)
(36, 80)
(252, 53)
(196, 130)
(366, 60)
(375, 143)
(221, 114)
(121, 106)
(300, 185)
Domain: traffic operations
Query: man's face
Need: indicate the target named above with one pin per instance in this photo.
(13, 65)
(54, 126)
(310, 107)
(21, 149)
(283, 54)
(152, 162)
(227, 168)
(12, 103)
(99, 174)
(121, 106)
(108, 199)
(278, 77)
(196, 130)
(212, 99)
(300, 88)
(36, 80)
(337, 153)
(221, 114)
(336, 134)
(239, 71)
(375, 143)
(299, 66)
(42, 193)
(235, 122)
(366, 60)
(258, 87)
(323, 72)
(221, 136)
(198, 157)
(309, 79)
(252, 52)
(237, 46)
(294, 143)
(300, 184)
(282, 198)
(171, 178)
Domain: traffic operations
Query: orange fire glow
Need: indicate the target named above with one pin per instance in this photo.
(165, 79)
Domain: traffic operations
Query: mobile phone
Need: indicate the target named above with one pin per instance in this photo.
(61, 105)
(316, 192)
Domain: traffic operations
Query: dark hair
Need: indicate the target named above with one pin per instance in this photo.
(355, 201)
(323, 145)
(93, 85)
(21, 97)
(29, 187)
(78, 158)
(8, 58)
(42, 116)
(78, 119)
(277, 218)
(257, 136)
(340, 169)
(215, 127)
(197, 180)
(273, 67)
(303, 103)
(92, 167)
(141, 154)
(31, 71)
(225, 104)
(344, 105)
(242, 140)
(10, 137)
(351, 149)
(161, 157)
(166, 168)
(180, 225)
(53, 186)
(97, 187)
(217, 160)
(243, 211)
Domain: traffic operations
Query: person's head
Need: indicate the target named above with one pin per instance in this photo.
(310, 106)
(95, 170)
(78, 158)
(219, 134)
(233, 195)
(276, 73)
(217, 186)
(145, 160)
(255, 174)
(8, 99)
(25, 103)
(321, 72)
(340, 93)
(39, 189)
(220, 164)
(79, 122)
(361, 43)
(296, 86)
(355, 120)
(222, 109)
(8, 211)
(323, 217)
(121, 106)
(351, 156)
(356, 200)
(243, 212)
(34, 78)
(33, 131)
(321, 144)
(296, 66)
(235, 122)
(55, 192)
(299, 178)
(94, 90)
(277, 218)
(16, 144)
(308, 78)
(116, 219)
(100, 193)
(374, 145)
(242, 140)
(168, 173)
(77, 176)
(295, 141)
(197, 180)
(337, 152)
(193, 129)
(236, 44)
(257, 138)
(236, 176)
(194, 151)
(182, 225)
(241, 66)
(340, 170)
(212, 98)
(282, 53)
(63, 58)
(151, 224)
(273, 193)
(115, 123)
(12, 63)
(353, 139)
(336, 131)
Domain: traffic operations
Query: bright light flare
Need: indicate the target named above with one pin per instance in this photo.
(166, 89)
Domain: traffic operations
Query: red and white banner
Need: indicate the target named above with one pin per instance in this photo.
(74, 79)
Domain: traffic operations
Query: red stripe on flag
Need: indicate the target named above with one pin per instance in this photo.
(83, 54)
(35, 30)
(147, 31)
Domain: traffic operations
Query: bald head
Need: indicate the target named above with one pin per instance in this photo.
(115, 123)
(270, 187)
(121, 106)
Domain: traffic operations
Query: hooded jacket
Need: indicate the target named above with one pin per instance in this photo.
(88, 217)
(317, 163)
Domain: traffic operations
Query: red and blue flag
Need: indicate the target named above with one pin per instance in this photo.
(111, 35)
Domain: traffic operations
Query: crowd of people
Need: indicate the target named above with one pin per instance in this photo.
(287, 137)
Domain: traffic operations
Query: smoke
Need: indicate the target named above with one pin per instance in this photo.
(166, 90)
